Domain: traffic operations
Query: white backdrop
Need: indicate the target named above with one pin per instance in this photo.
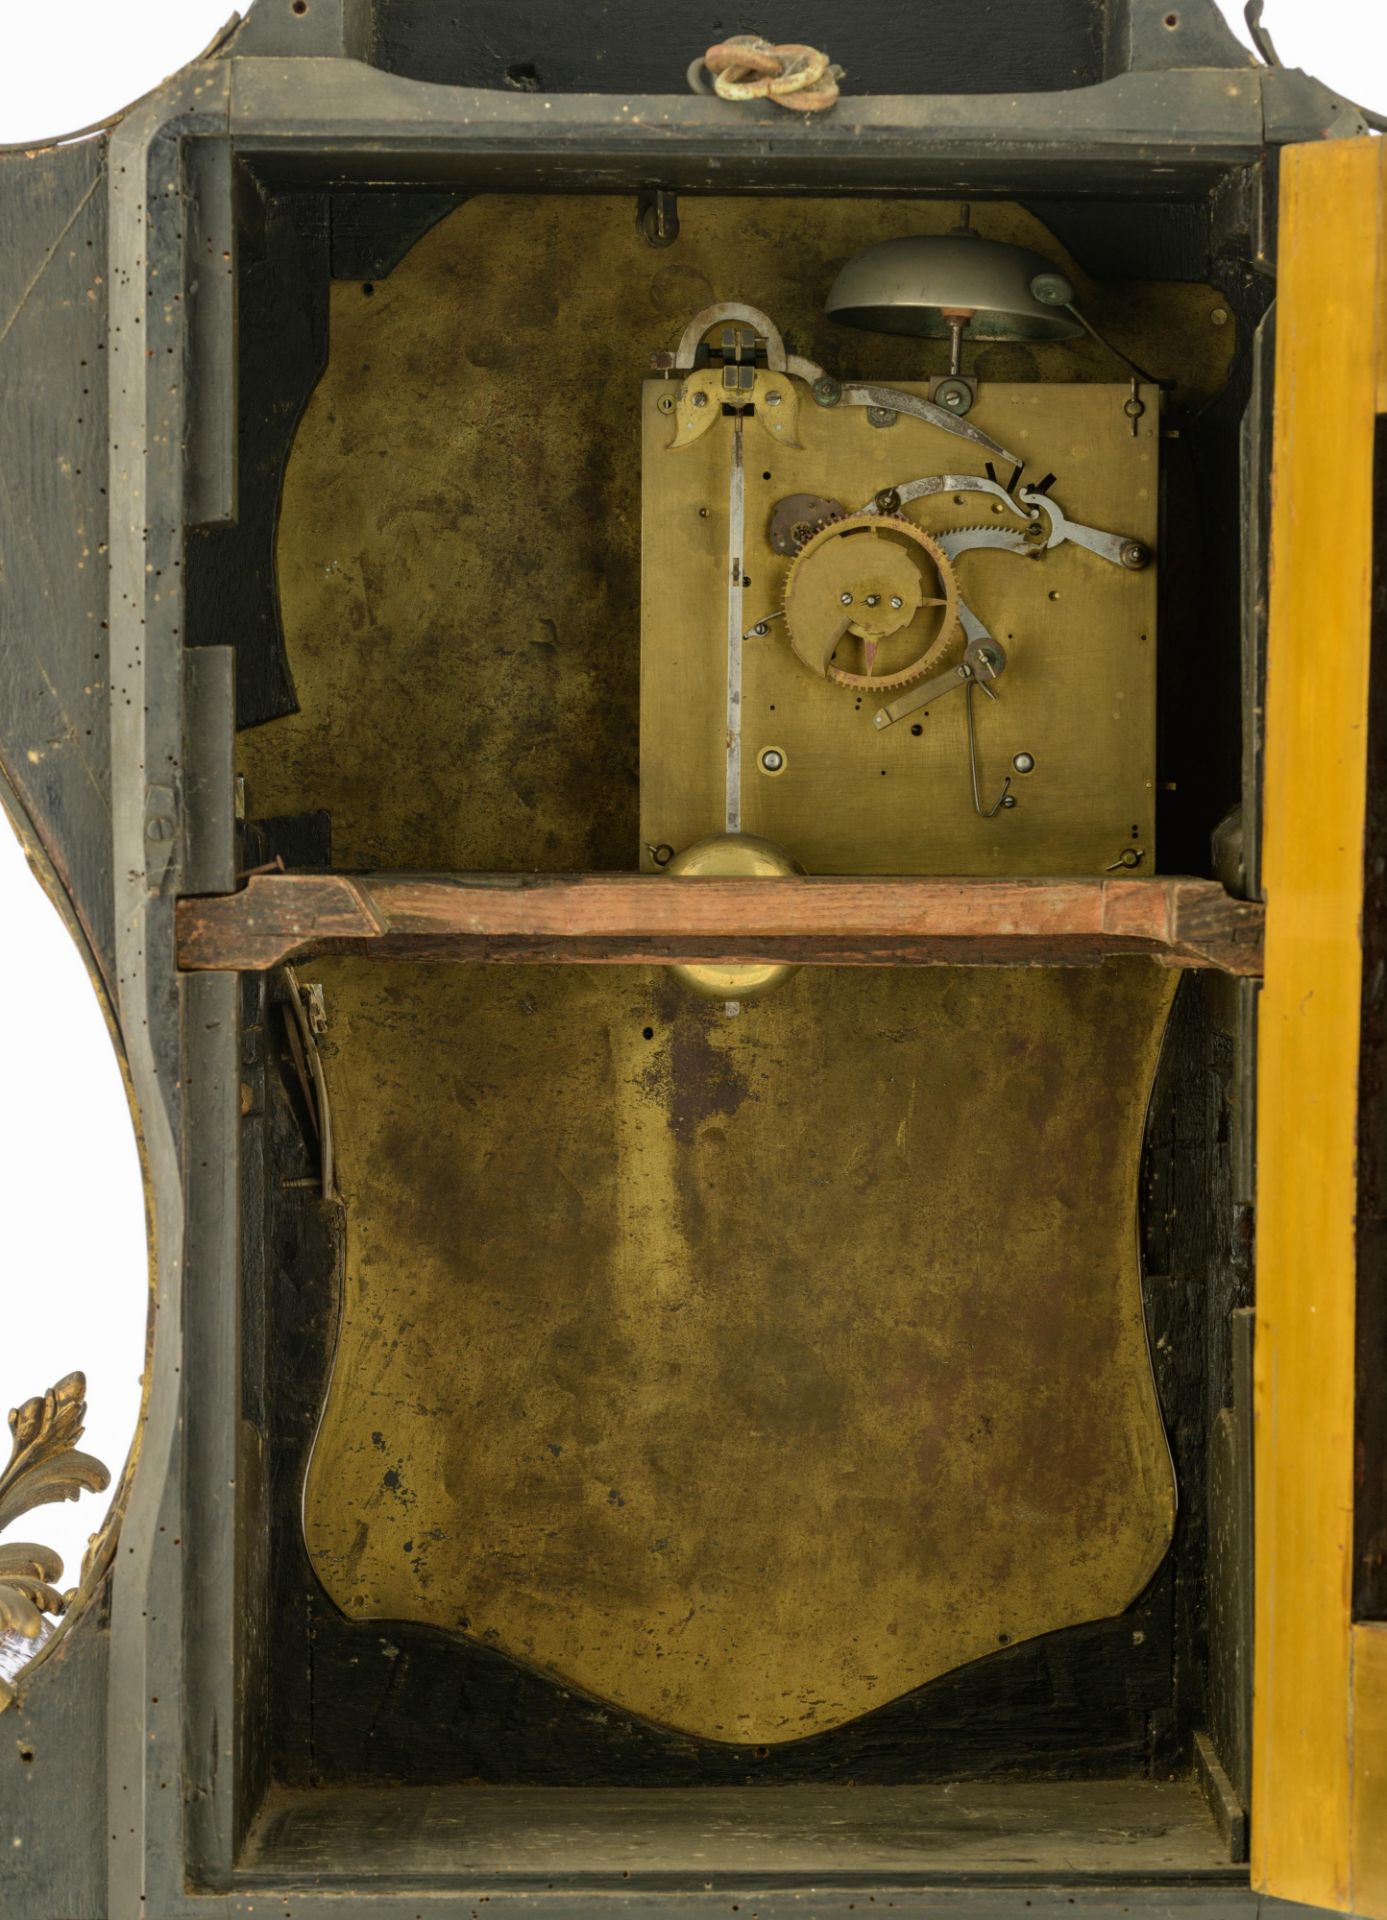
(73, 1275)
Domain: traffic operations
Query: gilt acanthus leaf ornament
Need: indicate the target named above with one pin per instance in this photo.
(45, 1465)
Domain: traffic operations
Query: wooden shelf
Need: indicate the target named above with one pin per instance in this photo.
(1021, 1834)
(636, 919)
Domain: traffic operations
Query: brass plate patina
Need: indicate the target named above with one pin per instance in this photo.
(459, 543)
(1078, 695)
(746, 1373)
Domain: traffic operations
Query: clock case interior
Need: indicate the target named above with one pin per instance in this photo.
(523, 752)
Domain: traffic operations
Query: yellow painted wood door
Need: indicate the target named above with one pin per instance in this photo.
(1319, 1785)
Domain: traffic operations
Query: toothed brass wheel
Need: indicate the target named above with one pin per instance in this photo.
(871, 601)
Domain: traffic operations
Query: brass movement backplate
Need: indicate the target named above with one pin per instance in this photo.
(1077, 705)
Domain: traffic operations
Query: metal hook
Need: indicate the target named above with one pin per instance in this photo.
(1005, 797)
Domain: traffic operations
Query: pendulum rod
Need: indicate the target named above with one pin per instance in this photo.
(736, 548)
(736, 543)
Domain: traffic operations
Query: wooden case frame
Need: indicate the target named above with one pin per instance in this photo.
(137, 1755)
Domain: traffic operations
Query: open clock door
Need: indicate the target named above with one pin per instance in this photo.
(1320, 1708)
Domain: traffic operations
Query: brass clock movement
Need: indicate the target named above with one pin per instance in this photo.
(906, 628)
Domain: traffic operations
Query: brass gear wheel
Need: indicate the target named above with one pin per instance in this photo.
(865, 575)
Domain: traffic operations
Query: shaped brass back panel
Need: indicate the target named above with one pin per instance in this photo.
(748, 1372)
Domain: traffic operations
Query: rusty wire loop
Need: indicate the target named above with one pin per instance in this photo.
(749, 68)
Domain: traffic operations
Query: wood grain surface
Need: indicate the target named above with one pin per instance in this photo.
(643, 918)
(1314, 1840)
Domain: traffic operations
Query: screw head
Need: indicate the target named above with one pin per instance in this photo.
(954, 394)
(665, 403)
(881, 416)
(760, 629)
(774, 397)
(1134, 555)
(1009, 801)
(772, 760)
(888, 500)
(1219, 317)
(896, 602)
(700, 400)
(1023, 762)
(873, 599)
(828, 391)
(846, 599)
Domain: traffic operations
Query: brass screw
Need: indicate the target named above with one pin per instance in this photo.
(1219, 316)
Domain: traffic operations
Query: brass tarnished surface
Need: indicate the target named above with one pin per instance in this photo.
(459, 542)
(1078, 694)
(746, 1373)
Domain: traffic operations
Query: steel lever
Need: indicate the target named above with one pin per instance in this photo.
(1118, 548)
(984, 659)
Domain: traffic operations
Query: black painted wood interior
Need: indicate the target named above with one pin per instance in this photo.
(625, 46)
(283, 265)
